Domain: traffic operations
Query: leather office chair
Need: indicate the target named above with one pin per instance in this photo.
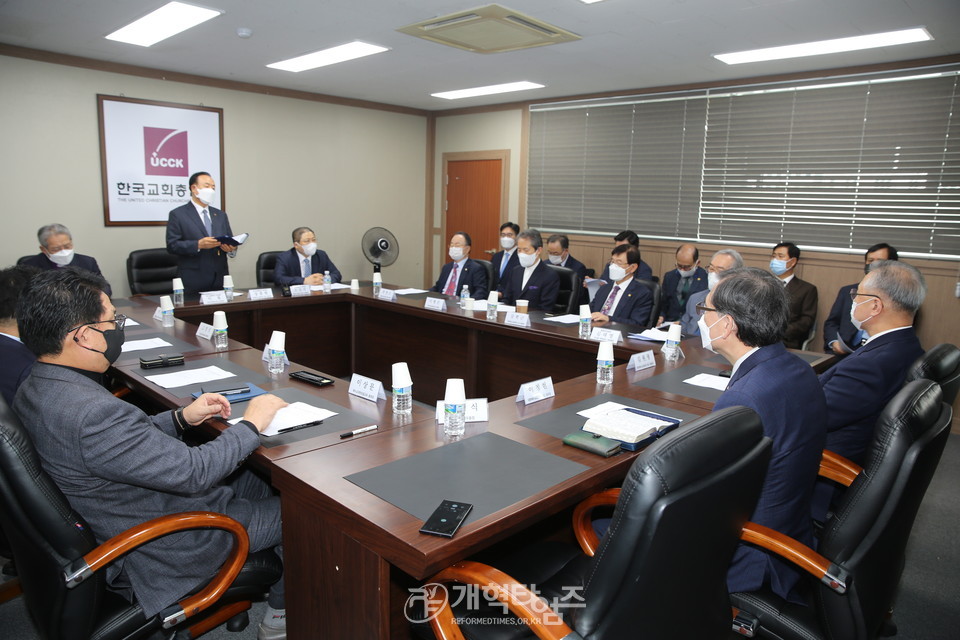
(151, 272)
(813, 332)
(23, 259)
(488, 267)
(660, 572)
(860, 556)
(654, 288)
(568, 300)
(942, 365)
(266, 262)
(60, 564)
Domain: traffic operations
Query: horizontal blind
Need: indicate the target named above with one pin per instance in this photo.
(838, 165)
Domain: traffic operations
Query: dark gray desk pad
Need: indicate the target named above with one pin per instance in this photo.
(488, 471)
(177, 346)
(806, 356)
(345, 420)
(242, 374)
(565, 420)
(673, 382)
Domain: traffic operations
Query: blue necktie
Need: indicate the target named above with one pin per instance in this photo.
(206, 223)
(503, 264)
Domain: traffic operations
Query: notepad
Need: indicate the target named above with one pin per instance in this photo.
(632, 427)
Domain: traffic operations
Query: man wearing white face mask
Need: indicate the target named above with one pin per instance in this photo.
(56, 252)
(506, 259)
(680, 283)
(721, 262)
(304, 263)
(192, 232)
(743, 319)
(802, 295)
(531, 280)
(624, 299)
(462, 270)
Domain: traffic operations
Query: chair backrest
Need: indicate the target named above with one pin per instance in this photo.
(45, 535)
(488, 267)
(662, 566)
(151, 271)
(654, 288)
(23, 259)
(812, 333)
(942, 365)
(266, 263)
(568, 300)
(868, 532)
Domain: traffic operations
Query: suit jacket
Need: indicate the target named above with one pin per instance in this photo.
(119, 467)
(541, 290)
(472, 274)
(17, 360)
(287, 270)
(858, 388)
(200, 270)
(785, 392)
(838, 322)
(672, 309)
(41, 261)
(634, 307)
(803, 312)
(581, 270)
(688, 322)
(643, 272)
(499, 284)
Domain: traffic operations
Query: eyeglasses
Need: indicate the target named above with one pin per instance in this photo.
(854, 293)
(119, 320)
(702, 309)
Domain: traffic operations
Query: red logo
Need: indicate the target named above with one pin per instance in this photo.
(165, 152)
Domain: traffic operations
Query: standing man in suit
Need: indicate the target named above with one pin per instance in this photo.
(623, 299)
(192, 232)
(721, 263)
(16, 358)
(631, 238)
(531, 280)
(462, 270)
(802, 295)
(678, 284)
(840, 337)
(56, 252)
(304, 263)
(119, 467)
(743, 320)
(505, 260)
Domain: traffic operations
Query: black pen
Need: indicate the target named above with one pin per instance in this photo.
(229, 392)
(356, 432)
(300, 426)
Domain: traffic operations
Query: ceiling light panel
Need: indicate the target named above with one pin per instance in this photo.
(168, 20)
(488, 90)
(838, 45)
(344, 52)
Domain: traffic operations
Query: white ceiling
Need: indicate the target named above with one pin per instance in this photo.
(627, 44)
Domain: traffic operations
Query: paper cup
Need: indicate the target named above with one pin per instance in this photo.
(673, 333)
(493, 298)
(278, 341)
(605, 352)
(585, 311)
(401, 375)
(166, 303)
(177, 284)
(354, 285)
(522, 306)
(455, 393)
(377, 277)
(219, 320)
(228, 282)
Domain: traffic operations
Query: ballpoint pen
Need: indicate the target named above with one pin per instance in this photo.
(300, 426)
(356, 432)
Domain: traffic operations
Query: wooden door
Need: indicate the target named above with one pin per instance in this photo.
(473, 204)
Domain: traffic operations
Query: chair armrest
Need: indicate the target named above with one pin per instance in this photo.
(835, 467)
(799, 554)
(582, 525)
(524, 604)
(132, 538)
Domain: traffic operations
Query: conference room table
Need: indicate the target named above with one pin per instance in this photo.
(352, 507)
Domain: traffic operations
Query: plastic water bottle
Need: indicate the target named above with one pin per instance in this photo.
(327, 282)
(403, 400)
(671, 347)
(178, 297)
(454, 419)
(464, 297)
(604, 371)
(220, 339)
(167, 317)
(275, 361)
(586, 326)
(491, 311)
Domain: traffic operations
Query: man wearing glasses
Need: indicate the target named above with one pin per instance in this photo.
(680, 283)
(118, 466)
(56, 252)
(743, 319)
(721, 262)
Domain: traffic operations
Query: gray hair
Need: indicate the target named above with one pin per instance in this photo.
(52, 230)
(902, 283)
(533, 237)
(734, 255)
(757, 302)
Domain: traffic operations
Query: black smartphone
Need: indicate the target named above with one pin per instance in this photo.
(312, 378)
(446, 519)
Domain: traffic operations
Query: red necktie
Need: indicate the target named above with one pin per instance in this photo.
(451, 289)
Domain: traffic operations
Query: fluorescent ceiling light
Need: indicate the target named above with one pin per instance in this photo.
(489, 90)
(590, 1)
(839, 45)
(168, 20)
(333, 55)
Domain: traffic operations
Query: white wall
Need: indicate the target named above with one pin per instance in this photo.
(339, 170)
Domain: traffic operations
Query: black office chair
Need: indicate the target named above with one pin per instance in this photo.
(568, 300)
(860, 556)
(61, 566)
(23, 259)
(942, 365)
(151, 272)
(660, 572)
(655, 292)
(488, 267)
(266, 263)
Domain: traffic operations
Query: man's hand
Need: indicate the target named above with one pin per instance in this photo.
(261, 410)
(313, 278)
(596, 316)
(838, 348)
(207, 243)
(659, 321)
(206, 406)
(228, 247)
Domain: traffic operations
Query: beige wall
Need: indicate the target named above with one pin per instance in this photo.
(288, 162)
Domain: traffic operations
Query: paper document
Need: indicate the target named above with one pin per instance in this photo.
(295, 414)
(192, 376)
(505, 307)
(600, 409)
(569, 318)
(140, 345)
(593, 285)
(409, 291)
(233, 240)
(334, 285)
(708, 380)
(653, 335)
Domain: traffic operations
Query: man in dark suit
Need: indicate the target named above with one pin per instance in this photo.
(506, 259)
(680, 283)
(631, 238)
(304, 263)
(192, 232)
(624, 299)
(802, 295)
(840, 337)
(722, 261)
(118, 466)
(461, 270)
(745, 316)
(531, 280)
(16, 358)
(558, 253)
(56, 252)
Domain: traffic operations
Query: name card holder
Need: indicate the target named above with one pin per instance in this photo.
(213, 297)
(297, 290)
(476, 410)
(606, 335)
(536, 391)
(389, 295)
(205, 331)
(158, 314)
(437, 304)
(517, 319)
(261, 294)
(366, 388)
(642, 360)
(479, 305)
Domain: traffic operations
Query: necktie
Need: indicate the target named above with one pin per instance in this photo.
(684, 291)
(503, 264)
(451, 289)
(306, 267)
(610, 300)
(206, 223)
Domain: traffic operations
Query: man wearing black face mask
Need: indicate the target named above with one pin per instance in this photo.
(119, 467)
